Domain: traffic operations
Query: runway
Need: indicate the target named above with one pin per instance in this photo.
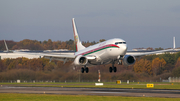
(93, 91)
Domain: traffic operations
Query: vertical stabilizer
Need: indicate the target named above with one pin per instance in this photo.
(78, 44)
(6, 46)
(174, 43)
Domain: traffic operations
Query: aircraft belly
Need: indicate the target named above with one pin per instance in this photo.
(99, 63)
(103, 57)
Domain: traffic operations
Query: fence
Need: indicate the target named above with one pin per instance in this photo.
(174, 79)
(66, 81)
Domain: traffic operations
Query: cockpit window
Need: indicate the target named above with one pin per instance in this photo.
(120, 43)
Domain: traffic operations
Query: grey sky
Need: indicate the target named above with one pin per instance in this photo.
(142, 23)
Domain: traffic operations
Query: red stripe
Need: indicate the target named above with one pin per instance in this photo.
(96, 49)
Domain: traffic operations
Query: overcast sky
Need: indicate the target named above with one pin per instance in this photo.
(141, 23)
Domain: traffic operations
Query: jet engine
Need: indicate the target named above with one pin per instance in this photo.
(80, 60)
(128, 60)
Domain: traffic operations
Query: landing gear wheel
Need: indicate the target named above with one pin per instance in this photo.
(110, 69)
(82, 70)
(87, 70)
(114, 69)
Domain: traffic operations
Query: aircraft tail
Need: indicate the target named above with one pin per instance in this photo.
(78, 44)
(6, 46)
(174, 43)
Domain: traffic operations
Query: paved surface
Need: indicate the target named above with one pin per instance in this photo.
(92, 91)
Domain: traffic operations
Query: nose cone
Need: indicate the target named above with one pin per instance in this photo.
(123, 49)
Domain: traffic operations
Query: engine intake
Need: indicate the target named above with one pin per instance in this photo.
(129, 60)
(80, 60)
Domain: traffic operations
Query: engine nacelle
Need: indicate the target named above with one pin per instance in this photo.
(80, 60)
(128, 60)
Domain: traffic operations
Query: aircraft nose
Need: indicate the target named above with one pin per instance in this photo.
(124, 49)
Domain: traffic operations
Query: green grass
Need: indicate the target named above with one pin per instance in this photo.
(49, 97)
(132, 85)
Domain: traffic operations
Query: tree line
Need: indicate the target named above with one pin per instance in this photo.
(42, 45)
(49, 44)
(151, 67)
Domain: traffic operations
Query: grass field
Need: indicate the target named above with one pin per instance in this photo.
(48, 97)
(133, 85)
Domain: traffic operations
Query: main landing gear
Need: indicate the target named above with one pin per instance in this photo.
(85, 69)
(111, 69)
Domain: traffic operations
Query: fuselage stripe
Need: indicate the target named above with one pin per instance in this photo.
(99, 49)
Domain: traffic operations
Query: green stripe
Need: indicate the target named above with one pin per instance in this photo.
(99, 50)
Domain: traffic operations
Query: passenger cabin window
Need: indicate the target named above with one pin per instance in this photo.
(120, 43)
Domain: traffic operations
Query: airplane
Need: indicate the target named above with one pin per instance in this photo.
(108, 52)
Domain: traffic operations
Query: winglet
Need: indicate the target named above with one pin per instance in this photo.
(6, 46)
(78, 44)
(174, 43)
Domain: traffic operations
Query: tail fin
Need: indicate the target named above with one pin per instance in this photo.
(78, 44)
(6, 46)
(174, 43)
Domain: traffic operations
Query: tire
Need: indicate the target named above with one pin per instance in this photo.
(110, 69)
(115, 69)
(87, 70)
(82, 70)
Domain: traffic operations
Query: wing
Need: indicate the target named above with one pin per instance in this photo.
(60, 57)
(148, 53)
(56, 56)
(136, 54)
(52, 56)
(66, 58)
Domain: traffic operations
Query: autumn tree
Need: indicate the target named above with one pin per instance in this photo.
(143, 65)
(159, 48)
(1, 66)
(149, 48)
(63, 45)
(49, 66)
(157, 65)
(177, 55)
(28, 44)
(101, 40)
(147, 67)
(86, 44)
(177, 63)
(49, 45)
(169, 58)
(176, 72)
(138, 66)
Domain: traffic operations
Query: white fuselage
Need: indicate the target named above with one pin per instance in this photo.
(105, 51)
